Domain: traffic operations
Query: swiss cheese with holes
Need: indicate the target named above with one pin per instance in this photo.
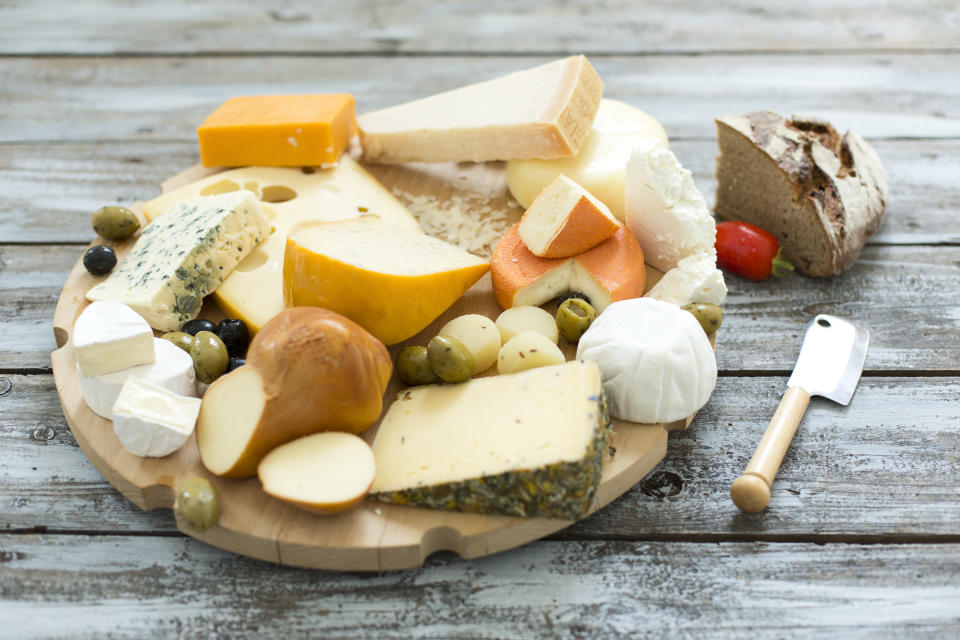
(253, 291)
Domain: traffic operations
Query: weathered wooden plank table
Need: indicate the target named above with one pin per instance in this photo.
(862, 538)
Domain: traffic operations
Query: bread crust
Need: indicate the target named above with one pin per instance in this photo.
(838, 180)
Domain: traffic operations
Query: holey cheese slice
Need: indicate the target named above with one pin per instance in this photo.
(172, 370)
(544, 112)
(601, 164)
(254, 290)
(564, 220)
(110, 336)
(391, 281)
(151, 421)
(665, 210)
(524, 444)
(183, 255)
(613, 270)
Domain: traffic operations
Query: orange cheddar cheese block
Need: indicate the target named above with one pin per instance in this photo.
(611, 271)
(391, 281)
(564, 220)
(278, 131)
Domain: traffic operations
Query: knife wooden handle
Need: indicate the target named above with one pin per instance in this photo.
(751, 491)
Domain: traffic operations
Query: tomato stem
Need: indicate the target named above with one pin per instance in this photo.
(781, 267)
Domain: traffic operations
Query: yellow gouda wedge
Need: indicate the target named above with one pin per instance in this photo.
(393, 282)
(278, 131)
(253, 291)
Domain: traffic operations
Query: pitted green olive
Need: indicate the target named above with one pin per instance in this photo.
(413, 366)
(210, 357)
(450, 359)
(181, 339)
(115, 223)
(574, 317)
(198, 503)
(710, 316)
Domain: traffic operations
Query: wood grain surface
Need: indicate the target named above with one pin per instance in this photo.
(99, 102)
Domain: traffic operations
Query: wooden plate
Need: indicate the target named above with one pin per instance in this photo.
(374, 536)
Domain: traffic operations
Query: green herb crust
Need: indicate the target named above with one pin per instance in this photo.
(561, 490)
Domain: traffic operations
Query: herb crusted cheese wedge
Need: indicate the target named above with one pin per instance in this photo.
(183, 255)
(526, 444)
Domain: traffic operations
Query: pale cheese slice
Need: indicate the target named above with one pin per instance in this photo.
(253, 291)
(696, 278)
(151, 421)
(110, 336)
(544, 112)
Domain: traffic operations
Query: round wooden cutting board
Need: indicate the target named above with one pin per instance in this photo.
(375, 536)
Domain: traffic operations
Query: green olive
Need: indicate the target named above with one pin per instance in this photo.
(181, 339)
(210, 356)
(574, 317)
(115, 223)
(450, 359)
(710, 316)
(198, 503)
(413, 366)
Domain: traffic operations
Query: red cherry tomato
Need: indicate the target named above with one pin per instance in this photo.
(749, 251)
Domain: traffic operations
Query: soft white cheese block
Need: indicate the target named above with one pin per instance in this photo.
(656, 362)
(110, 336)
(173, 370)
(184, 255)
(151, 421)
(694, 279)
(665, 210)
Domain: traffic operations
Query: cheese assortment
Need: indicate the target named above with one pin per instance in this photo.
(152, 421)
(283, 131)
(183, 255)
(326, 267)
(544, 112)
(391, 281)
(526, 444)
(254, 291)
(172, 369)
(110, 336)
(600, 166)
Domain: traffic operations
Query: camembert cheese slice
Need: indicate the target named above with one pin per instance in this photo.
(525, 444)
(253, 291)
(393, 282)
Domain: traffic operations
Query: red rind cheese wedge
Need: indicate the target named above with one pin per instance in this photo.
(565, 220)
(613, 270)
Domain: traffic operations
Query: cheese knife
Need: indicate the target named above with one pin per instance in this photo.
(830, 363)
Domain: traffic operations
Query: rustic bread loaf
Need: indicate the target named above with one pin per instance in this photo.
(821, 194)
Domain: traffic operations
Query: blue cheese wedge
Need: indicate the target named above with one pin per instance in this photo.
(109, 336)
(152, 421)
(525, 444)
(183, 255)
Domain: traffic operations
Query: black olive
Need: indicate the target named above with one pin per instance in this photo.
(235, 335)
(235, 363)
(99, 260)
(195, 326)
(573, 294)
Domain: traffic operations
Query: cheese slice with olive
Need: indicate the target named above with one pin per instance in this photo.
(391, 281)
(151, 421)
(253, 290)
(613, 270)
(523, 444)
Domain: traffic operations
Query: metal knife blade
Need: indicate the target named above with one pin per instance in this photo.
(831, 358)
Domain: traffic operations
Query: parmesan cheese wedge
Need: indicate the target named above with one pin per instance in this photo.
(391, 281)
(544, 112)
(564, 220)
(613, 270)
